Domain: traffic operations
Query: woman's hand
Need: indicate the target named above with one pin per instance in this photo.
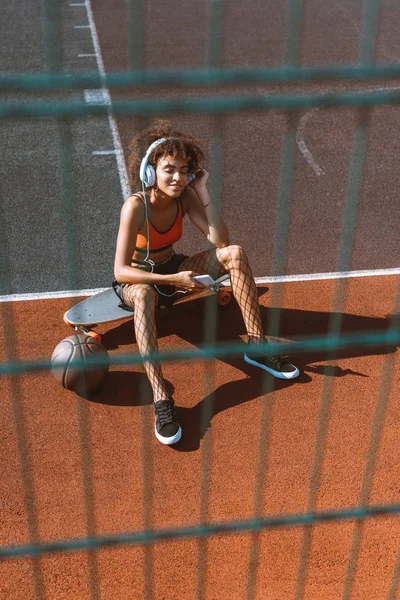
(201, 180)
(184, 281)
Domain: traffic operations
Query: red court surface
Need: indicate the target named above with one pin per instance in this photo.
(131, 470)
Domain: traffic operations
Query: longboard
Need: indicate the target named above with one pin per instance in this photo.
(104, 308)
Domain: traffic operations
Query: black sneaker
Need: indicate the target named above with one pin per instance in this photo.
(278, 366)
(167, 430)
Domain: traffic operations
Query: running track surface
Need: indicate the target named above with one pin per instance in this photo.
(118, 422)
(118, 426)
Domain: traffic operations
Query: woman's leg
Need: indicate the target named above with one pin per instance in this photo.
(232, 260)
(143, 299)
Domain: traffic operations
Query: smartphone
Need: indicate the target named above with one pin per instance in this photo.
(204, 279)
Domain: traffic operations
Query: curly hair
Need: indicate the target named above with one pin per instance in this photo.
(179, 144)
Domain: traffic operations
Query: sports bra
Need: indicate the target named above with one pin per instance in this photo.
(160, 240)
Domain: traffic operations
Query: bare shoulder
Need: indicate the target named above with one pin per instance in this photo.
(132, 209)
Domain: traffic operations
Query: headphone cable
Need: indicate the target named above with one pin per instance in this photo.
(147, 259)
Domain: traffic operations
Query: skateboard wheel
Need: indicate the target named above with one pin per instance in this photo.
(224, 297)
(95, 335)
(66, 320)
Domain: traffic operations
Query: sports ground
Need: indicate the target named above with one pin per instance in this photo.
(74, 467)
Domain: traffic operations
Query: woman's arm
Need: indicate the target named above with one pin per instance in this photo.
(132, 213)
(203, 212)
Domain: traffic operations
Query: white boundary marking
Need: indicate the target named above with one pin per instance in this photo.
(97, 97)
(104, 152)
(333, 275)
(123, 175)
(258, 280)
(303, 122)
(303, 146)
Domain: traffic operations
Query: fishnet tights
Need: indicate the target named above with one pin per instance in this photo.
(234, 260)
(143, 299)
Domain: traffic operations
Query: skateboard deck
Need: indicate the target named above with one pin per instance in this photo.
(104, 307)
(100, 308)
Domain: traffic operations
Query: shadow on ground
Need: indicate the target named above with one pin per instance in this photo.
(188, 321)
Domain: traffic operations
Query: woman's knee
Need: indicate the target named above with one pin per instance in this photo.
(232, 255)
(140, 294)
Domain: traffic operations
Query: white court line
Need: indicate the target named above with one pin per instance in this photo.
(50, 295)
(104, 152)
(333, 275)
(303, 146)
(123, 175)
(305, 118)
(86, 55)
(97, 97)
(81, 26)
(258, 280)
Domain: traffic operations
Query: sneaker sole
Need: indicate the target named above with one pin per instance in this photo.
(168, 441)
(277, 374)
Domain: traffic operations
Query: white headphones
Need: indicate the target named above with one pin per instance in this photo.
(147, 173)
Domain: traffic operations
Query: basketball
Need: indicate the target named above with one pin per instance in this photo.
(67, 359)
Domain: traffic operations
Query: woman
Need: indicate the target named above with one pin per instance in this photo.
(149, 274)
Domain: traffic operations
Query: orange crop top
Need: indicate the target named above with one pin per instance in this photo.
(160, 240)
